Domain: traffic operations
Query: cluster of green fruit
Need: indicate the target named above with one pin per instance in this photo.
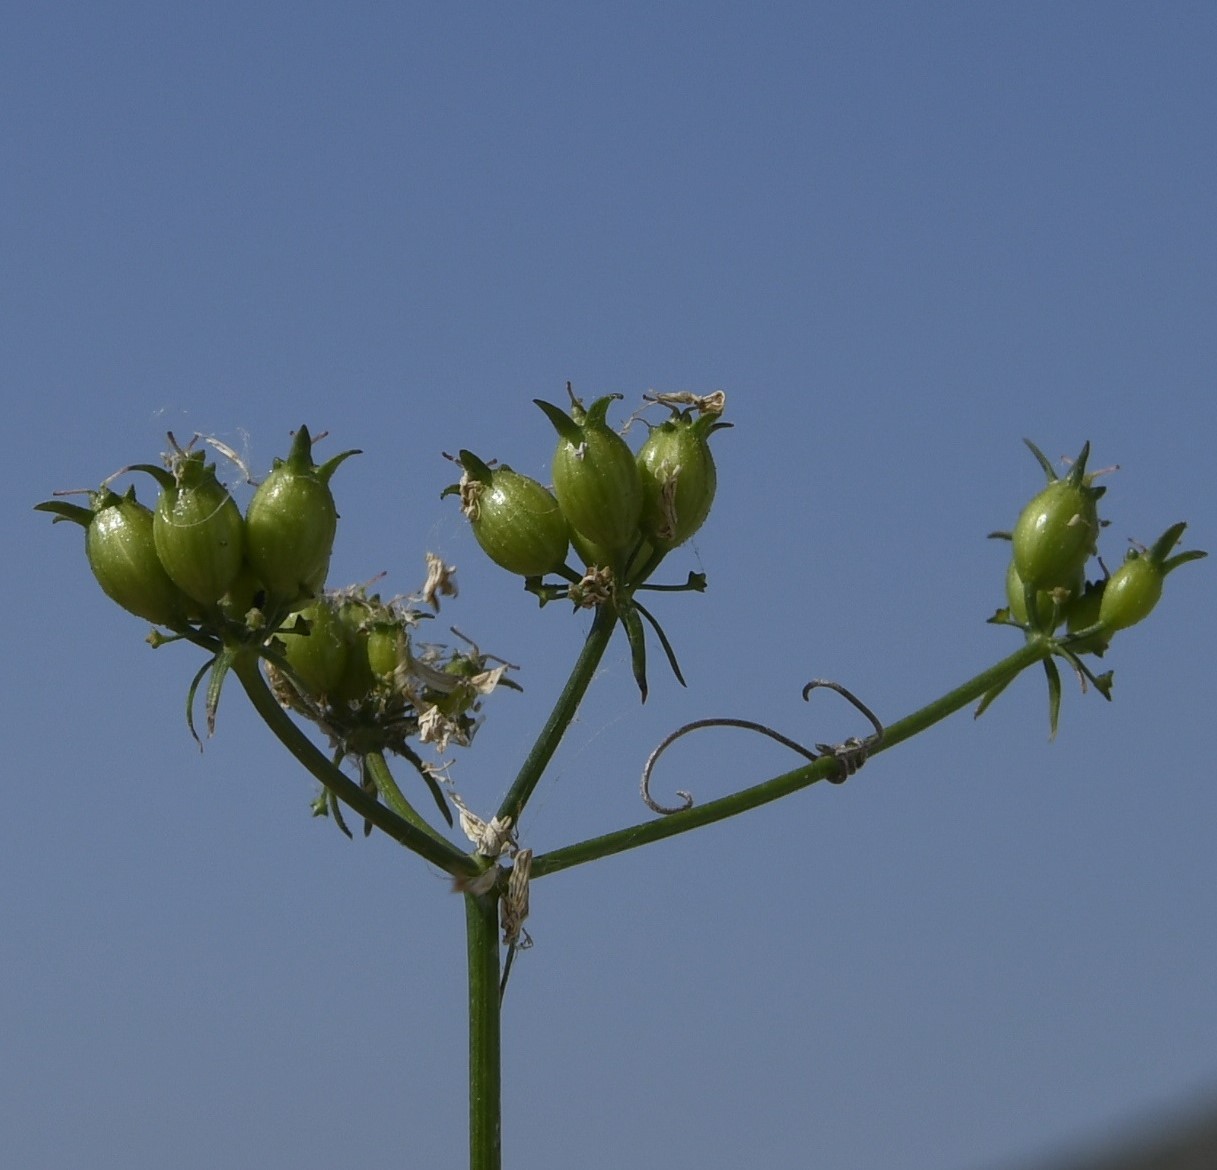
(253, 584)
(1052, 542)
(193, 559)
(620, 511)
(353, 668)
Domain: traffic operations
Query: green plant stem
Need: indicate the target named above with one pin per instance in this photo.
(1035, 650)
(377, 769)
(431, 847)
(485, 1077)
(560, 717)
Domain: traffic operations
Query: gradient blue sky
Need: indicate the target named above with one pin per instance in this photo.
(901, 237)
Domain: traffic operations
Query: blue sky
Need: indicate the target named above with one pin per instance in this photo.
(901, 238)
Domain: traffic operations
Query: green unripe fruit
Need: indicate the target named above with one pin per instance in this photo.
(1016, 598)
(384, 648)
(291, 522)
(122, 555)
(678, 480)
(1134, 588)
(245, 593)
(1057, 531)
(358, 679)
(595, 477)
(515, 519)
(1131, 593)
(593, 555)
(462, 666)
(589, 552)
(318, 656)
(198, 530)
(1055, 536)
(1082, 613)
(121, 551)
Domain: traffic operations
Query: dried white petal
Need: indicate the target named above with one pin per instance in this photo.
(491, 839)
(514, 907)
(441, 581)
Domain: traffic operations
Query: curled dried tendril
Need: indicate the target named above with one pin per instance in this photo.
(851, 753)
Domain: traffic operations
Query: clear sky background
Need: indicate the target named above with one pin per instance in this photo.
(901, 238)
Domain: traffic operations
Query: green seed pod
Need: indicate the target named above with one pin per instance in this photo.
(199, 533)
(385, 644)
(515, 519)
(1131, 594)
(1082, 613)
(592, 555)
(291, 521)
(595, 476)
(358, 678)
(678, 479)
(318, 656)
(1135, 587)
(122, 554)
(589, 552)
(246, 593)
(1057, 531)
(1016, 597)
